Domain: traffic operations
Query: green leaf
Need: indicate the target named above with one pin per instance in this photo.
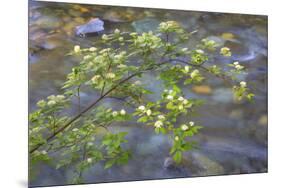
(170, 106)
(177, 156)
(109, 163)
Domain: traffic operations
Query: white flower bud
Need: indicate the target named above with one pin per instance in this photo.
(177, 138)
(76, 49)
(89, 160)
(191, 123)
(122, 112)
(116, 31)
(148, 112)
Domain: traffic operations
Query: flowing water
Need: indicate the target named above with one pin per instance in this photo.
(234, 138)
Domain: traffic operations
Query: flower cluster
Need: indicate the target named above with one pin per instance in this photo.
(225, 51)
(52, 100)
(147, 42)
(170, 26)
(116, 113)
(242, 91)
(237, 66)
(198, 57)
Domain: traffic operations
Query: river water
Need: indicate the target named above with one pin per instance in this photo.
(234, 138)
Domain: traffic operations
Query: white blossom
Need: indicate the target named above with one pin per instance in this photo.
(194, 73)
(200, 51)
(180, 107)
(148, 112)
(185, 101)
(110, 75)
(41, 103)
(86, 57)
(186, 68)
(170, 91)
(137, 82)
(191, 123)
(104, 37)
(44, 152)
(177, 138)
(236, 63)
(60, 97)
(92, 49)
(158, 124)
(142, 108)
(184, 49)
(161, 117)
(239, 67)
(114, 113)
(184, 127)
(76, 48)
(121, 66)
(243, 84)
(180, 98)
(95, 78)
(170, 97)
(75, 130)
(51, 103)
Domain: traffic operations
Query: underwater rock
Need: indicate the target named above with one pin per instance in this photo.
(47, 22)
(94, 27)
(206, 165)
(202, 89)
(223, 95)
(169, 163)
(146, 25)
(263, 120)
(126, 15)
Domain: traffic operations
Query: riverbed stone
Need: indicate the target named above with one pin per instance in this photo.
(202, 89)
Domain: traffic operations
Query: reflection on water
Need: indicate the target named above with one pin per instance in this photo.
(234, 139)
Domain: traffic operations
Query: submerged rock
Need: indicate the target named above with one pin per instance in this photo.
(203, 89)
(146, 25)
(94, 27)
(206, 165)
